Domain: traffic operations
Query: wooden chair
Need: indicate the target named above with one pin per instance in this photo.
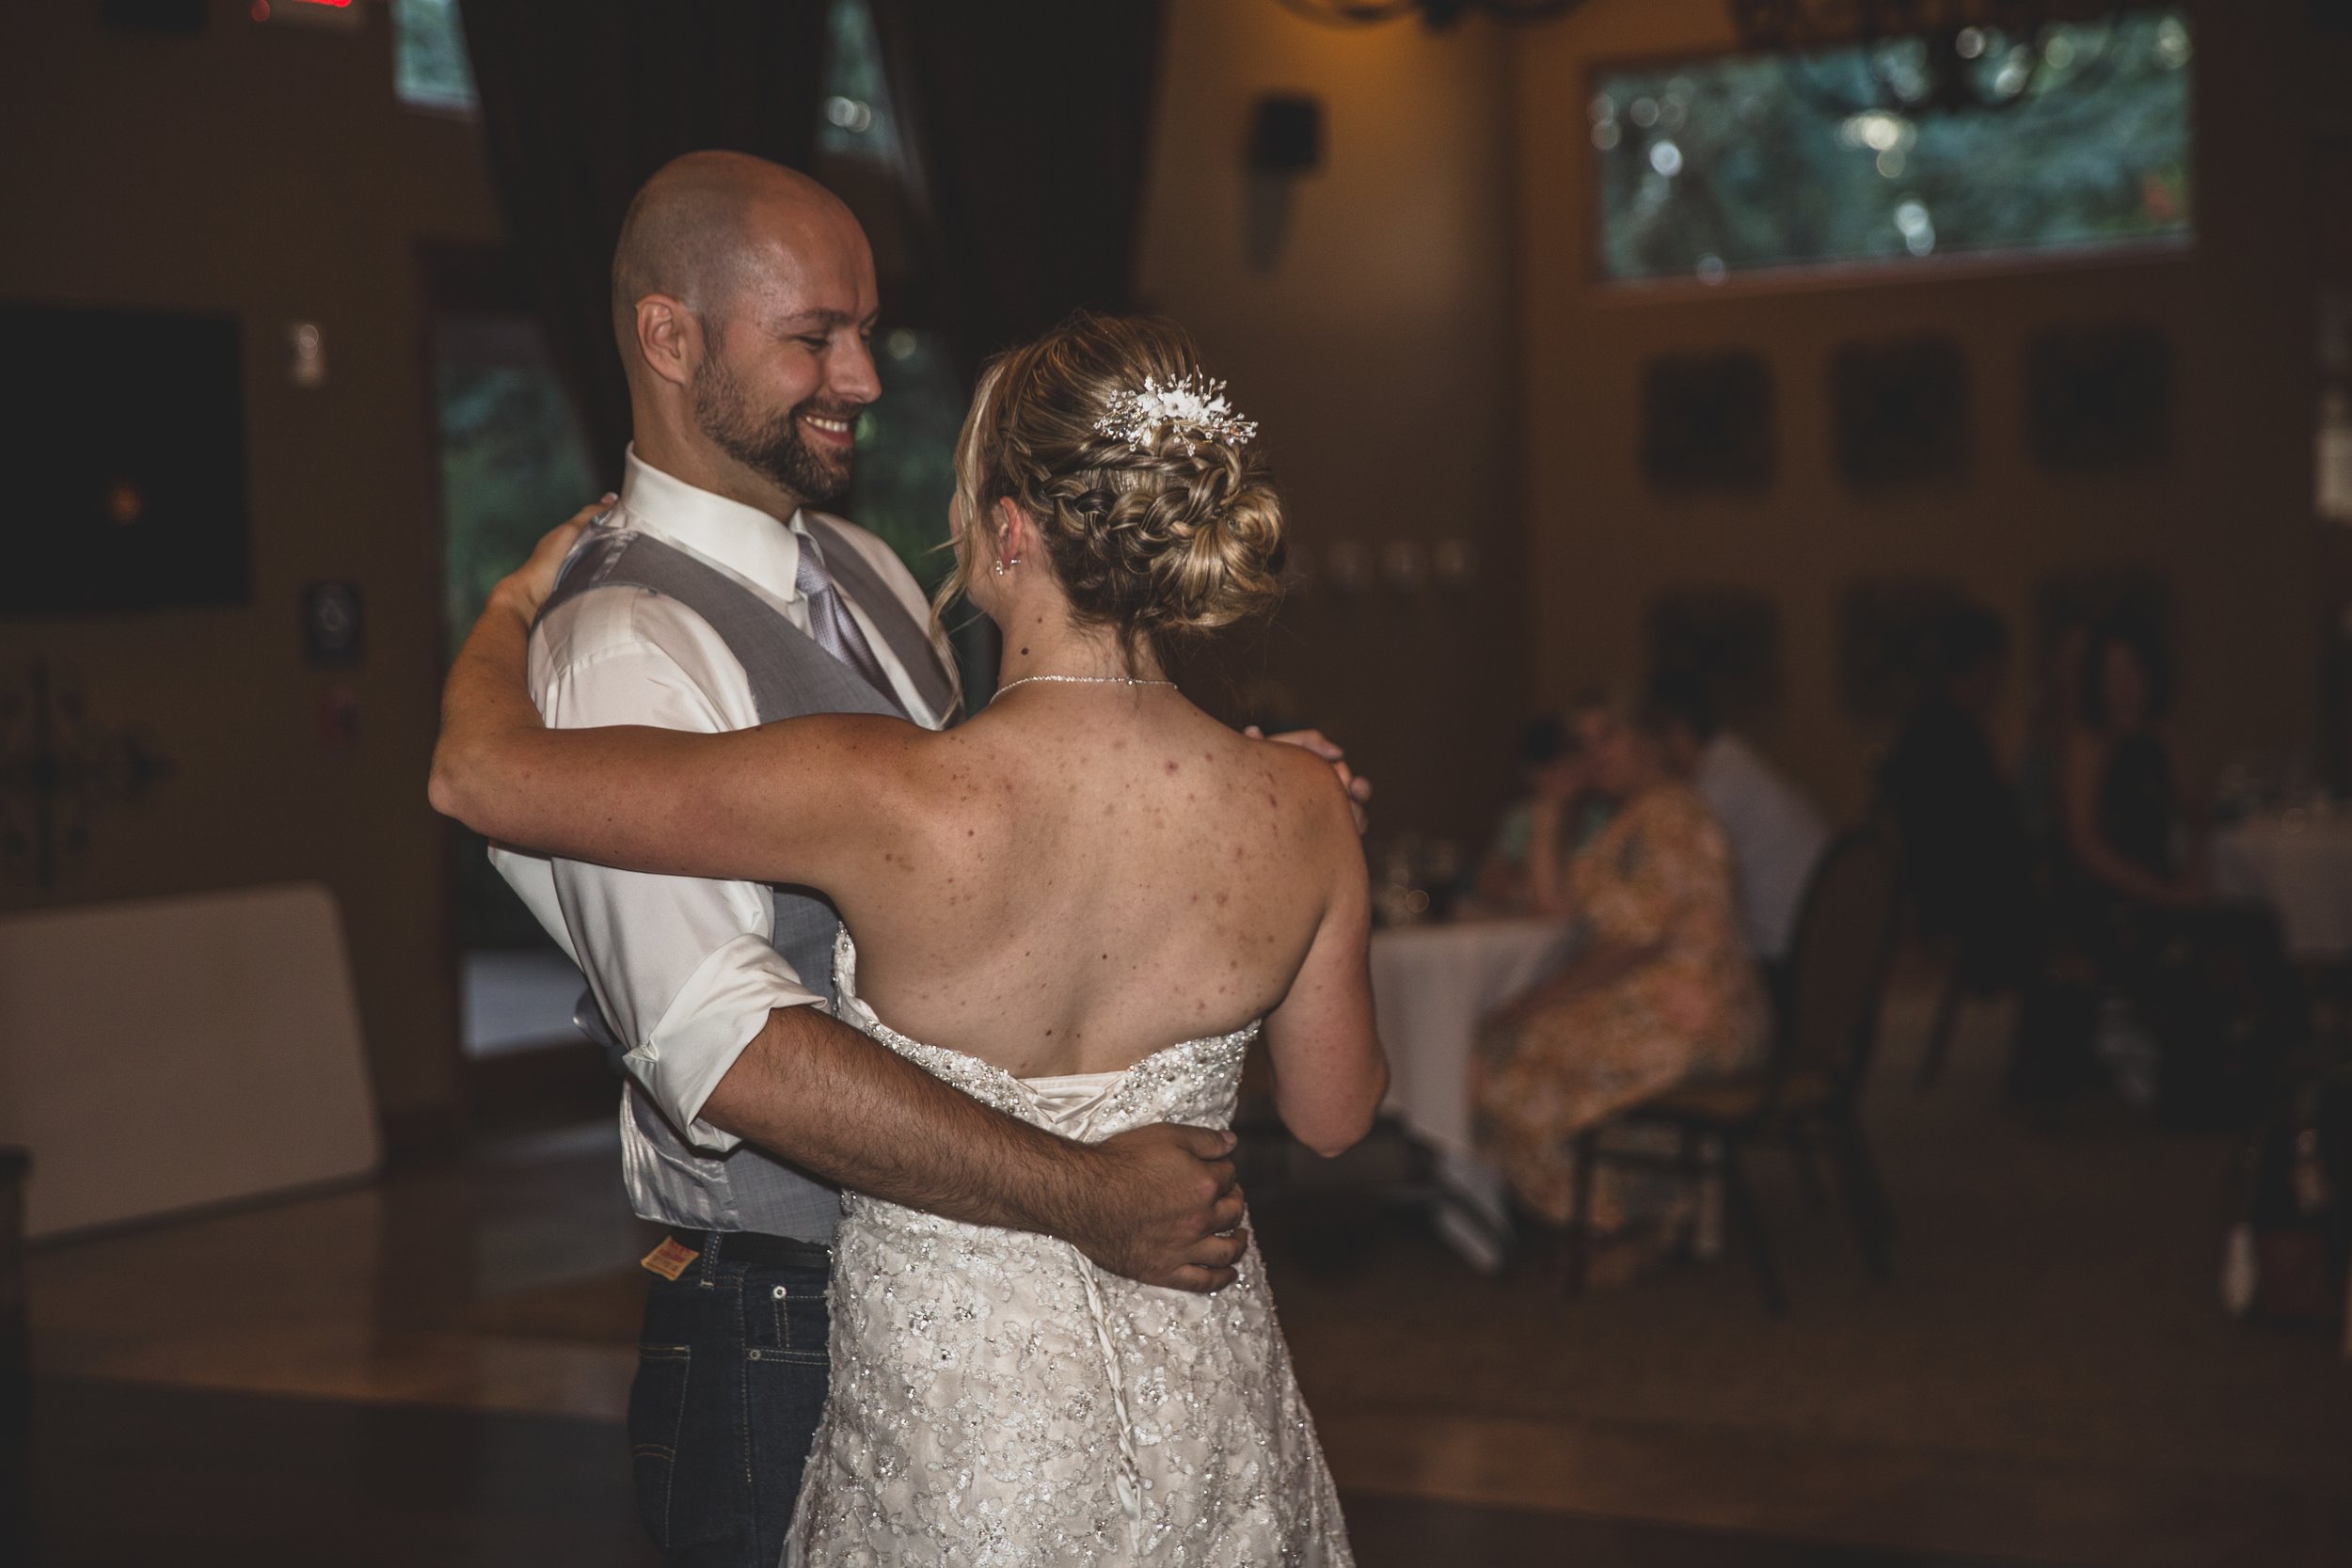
(1807, 1094)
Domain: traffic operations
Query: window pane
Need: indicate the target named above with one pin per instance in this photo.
(1712, 166)
(512, 465)
(906, 456)
(857, 121)
(513, 462)
(429, 64)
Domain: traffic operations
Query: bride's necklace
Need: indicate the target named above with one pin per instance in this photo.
(1079, 680)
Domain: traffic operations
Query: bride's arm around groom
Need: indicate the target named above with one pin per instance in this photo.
(1157, 1204)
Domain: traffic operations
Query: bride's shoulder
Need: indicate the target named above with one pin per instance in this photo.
(1304, 787)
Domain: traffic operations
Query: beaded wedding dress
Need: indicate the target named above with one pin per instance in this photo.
(997, 1401)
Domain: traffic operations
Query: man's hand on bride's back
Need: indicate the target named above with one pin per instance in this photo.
(1162, 1206)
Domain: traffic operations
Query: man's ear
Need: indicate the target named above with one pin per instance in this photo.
(670, 339)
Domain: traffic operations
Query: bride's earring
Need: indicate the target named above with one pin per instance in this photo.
(1002, 563)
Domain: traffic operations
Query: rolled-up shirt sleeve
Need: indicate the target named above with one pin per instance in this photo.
(680, 966)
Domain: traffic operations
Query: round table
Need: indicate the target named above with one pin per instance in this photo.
(2298, 863)
(1431, 987)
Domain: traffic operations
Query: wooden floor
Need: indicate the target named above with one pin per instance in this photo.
(133, 1476)
(432, 1368)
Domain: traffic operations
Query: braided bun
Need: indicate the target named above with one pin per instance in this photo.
(1170, 536)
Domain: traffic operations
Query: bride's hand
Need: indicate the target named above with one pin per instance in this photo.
(526, 588)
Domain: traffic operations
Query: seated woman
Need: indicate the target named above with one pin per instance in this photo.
(2212, 983)
(1549, 764)
(1661, 989)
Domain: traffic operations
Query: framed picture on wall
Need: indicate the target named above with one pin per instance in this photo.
(2099, 397)
(1886, 636)
(1901, 411)
(1706, 421)
(1729, 638)
(128, 468)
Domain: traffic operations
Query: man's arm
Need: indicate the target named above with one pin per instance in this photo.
(1149, 1204)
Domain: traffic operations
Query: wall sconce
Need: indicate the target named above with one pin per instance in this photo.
(1346, 565)
(306, 354)
(1405, 565)
(1453, 563)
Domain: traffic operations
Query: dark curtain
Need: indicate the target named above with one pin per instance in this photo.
(583, 99)
(1026, 124)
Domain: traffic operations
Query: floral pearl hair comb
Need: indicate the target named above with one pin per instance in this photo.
(1192, 407)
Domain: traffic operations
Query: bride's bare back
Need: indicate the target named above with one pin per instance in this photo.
(1094, 873)
(1053, 888)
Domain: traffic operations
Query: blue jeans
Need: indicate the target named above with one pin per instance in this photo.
(731, 1375)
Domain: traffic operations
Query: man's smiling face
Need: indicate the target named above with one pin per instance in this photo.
(788, 366)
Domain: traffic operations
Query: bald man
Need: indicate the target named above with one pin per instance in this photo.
(715, 596)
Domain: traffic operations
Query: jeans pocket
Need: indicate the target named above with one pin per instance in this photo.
(657, 1414)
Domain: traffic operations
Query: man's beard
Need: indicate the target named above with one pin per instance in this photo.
(769, 445)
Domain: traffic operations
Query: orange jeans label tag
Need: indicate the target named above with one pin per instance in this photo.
(669, 1260)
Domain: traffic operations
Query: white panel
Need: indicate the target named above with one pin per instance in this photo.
(164, 1054)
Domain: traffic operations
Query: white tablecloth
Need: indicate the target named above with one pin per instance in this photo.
(1431, 985)
(2301, 867)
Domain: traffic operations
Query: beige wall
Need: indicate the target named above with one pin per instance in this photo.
(266, 172)
(2226, 518)
(1376, 350)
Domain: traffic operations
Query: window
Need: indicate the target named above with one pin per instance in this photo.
(512, 465)
(906, 449)
(906, 439)
(430, 69)
(513, 461)
(2076, 141)
(858, 122)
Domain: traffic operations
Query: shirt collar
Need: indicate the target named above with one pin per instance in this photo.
(746, 541)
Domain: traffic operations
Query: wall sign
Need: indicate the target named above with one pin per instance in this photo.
(334, 625)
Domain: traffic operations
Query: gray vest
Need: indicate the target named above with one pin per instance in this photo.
(790, 677)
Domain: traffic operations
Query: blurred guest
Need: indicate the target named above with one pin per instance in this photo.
(1964, 846)
(1661, 987)
(2050, 720)
(1776, 835)
(2212, 984)
(1551, 767)
(2132, 827)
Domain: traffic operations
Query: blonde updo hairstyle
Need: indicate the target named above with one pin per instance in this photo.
(1168, 543)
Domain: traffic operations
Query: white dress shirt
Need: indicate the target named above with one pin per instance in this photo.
(680, 966)
(1776, 834)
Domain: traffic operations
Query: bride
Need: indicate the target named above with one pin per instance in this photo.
(1103, 896)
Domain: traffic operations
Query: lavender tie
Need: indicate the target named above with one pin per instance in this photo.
(831, 625)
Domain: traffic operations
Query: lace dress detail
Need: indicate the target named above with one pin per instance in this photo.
(997, 1401)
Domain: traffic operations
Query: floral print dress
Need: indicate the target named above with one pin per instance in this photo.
(1657, 880)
